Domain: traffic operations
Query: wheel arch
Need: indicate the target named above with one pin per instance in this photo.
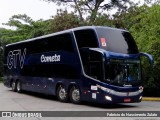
(11, 81)
(57, 85)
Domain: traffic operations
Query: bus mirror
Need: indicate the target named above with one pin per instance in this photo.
(148, 56)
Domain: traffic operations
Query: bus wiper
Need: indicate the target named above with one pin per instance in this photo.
(109, 80)
(113, 81)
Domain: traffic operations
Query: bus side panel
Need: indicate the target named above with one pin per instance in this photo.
(40, 69)
(45, 75)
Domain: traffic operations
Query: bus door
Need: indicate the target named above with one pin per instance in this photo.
(92, 63)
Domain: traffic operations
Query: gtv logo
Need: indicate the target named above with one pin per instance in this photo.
(16, 56)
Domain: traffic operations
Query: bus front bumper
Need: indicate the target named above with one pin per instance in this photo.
(122, 99)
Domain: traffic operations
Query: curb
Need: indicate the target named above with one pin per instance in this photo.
(151, 99)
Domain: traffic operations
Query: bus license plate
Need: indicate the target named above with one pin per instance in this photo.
(127, 100)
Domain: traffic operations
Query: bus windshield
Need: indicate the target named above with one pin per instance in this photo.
(116, 40)
(120, 72)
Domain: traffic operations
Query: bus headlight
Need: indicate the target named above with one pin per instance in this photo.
(140, 97)
(108, 98)
(104, 89)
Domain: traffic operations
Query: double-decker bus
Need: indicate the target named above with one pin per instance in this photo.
(91, 63)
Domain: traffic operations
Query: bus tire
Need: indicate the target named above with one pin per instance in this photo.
(74, 95)
(62, 94)
(19, 88)
(14, 86)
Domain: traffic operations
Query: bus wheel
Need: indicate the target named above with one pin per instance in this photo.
(61, 94)
(74, 95)
(19, 86)
(14, 87)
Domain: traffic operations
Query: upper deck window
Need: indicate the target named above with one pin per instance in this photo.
(61, 42)
(86, 38)
(117, 41)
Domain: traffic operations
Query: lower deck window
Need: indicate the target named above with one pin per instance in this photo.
(50, 70)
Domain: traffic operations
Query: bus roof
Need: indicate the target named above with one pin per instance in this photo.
(64, 31)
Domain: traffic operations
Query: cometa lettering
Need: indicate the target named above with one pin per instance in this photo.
(54, 58)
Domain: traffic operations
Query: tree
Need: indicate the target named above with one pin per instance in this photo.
(25, 28)
(3, 32)
(63, 20)
(1, 59)
(125, 19)
(147, 34)
(92, 7)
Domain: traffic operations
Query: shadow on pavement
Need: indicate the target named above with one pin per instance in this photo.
(109, 106)
(90, 104)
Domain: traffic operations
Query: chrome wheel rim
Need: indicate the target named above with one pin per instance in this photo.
(13, 85)
(62, 93)
(18, 86)
(76, 95)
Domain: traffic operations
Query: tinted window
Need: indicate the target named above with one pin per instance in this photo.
(86, 38)
(61, 42)
(117, 41)
(92, 63)
(50, 70)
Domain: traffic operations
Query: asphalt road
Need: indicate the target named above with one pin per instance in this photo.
(27, 101)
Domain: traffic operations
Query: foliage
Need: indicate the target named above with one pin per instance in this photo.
(63, 20)
(1, 63)
(4, 39)
(101, 20)
(125, 19)
(71, 20)
(25, 28)
(93, 7)
(147, 34)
